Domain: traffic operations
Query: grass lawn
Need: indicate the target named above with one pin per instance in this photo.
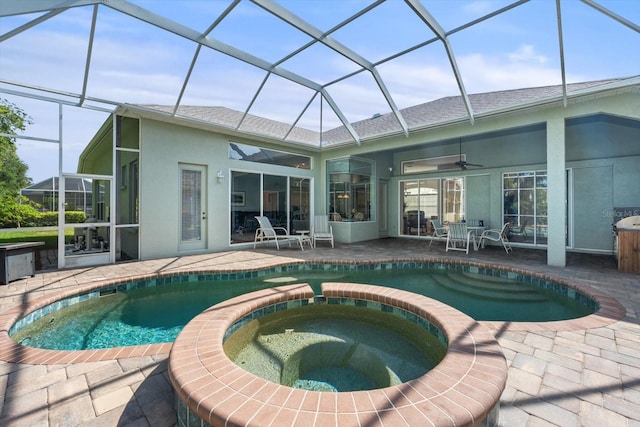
(49, 237)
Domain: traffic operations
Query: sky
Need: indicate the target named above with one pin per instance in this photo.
(134, 62)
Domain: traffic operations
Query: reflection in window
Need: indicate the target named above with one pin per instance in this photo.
(127, 187)
(421, 203)
(525, 206)
(432, 164)
(284, 200)
(350, 189)
(453, 199)
(101, 208)
(263, 155)
(429, 199)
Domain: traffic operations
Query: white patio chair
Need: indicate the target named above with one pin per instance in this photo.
(496, 235)
(322, 230)
(268, 233)
(459, 238)
(439, 232)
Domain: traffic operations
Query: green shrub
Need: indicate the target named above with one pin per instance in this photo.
(74, 217)
(14, 214)
(70, 217)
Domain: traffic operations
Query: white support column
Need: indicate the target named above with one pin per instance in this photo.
(556, 193)
(62, 187)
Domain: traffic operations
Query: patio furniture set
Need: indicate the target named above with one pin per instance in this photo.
(459, 236)
(321, 231)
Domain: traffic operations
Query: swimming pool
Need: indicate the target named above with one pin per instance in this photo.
(155, 310)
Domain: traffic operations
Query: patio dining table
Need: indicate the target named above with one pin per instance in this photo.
(476, 232)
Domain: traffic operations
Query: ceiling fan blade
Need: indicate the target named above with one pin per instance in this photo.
(461, 164)
(473, 164)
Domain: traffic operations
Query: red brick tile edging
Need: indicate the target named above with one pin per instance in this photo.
(461, 390)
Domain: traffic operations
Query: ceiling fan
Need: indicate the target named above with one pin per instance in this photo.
(462, 164)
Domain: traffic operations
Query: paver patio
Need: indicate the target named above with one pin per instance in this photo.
(577, 377)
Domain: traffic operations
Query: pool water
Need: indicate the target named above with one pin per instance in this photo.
(157, 314)
(334, 347)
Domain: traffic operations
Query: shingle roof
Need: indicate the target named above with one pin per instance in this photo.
(71, 184)
(431, 113)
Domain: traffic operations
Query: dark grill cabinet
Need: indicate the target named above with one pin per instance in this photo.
(17, 260)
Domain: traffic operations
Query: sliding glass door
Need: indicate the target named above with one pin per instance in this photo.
(427, 199)
(284, 200)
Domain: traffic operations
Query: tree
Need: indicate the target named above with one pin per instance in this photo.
(13, 171)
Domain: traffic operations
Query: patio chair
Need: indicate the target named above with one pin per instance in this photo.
(439, 232)
(335, 216)
(496, 235)
(458, 235)
(268, 233)
(322, 230)
(416, 220)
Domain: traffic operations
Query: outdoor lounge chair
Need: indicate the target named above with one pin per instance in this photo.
(322, 230)
(439, 232)
(268, 233)
(459, 238)
(498, 236)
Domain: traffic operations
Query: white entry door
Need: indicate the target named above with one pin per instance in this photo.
(193, 216)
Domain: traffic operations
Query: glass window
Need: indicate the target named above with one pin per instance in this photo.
(525, 206)
(431, 164)
(300, 201)
(100, 196)
(427, 199)
(274, 200)
(453, 199)
(191, 205)
(245, 205)
(350, 189)
(127, 187)
(284, 200)
(263, 155)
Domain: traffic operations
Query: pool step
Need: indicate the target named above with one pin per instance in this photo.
(502, 294)
(491, 282)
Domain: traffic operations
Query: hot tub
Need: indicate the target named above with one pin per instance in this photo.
(464, 388)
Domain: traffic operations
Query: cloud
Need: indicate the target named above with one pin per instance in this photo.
(485, 73)
(527, 53)
(478, 8)
(135, 62)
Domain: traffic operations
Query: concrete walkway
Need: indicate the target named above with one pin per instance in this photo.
(588, 377)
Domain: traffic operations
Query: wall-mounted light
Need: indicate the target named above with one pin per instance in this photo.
(220, 176)
(390, 169)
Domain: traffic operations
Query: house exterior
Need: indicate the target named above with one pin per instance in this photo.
(45, 193)
(553, 164)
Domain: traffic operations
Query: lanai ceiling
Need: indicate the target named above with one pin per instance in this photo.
(311, 66)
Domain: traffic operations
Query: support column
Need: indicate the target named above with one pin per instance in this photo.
(556, 193)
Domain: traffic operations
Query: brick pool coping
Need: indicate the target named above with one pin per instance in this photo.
(463, 389)
(609, 311)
